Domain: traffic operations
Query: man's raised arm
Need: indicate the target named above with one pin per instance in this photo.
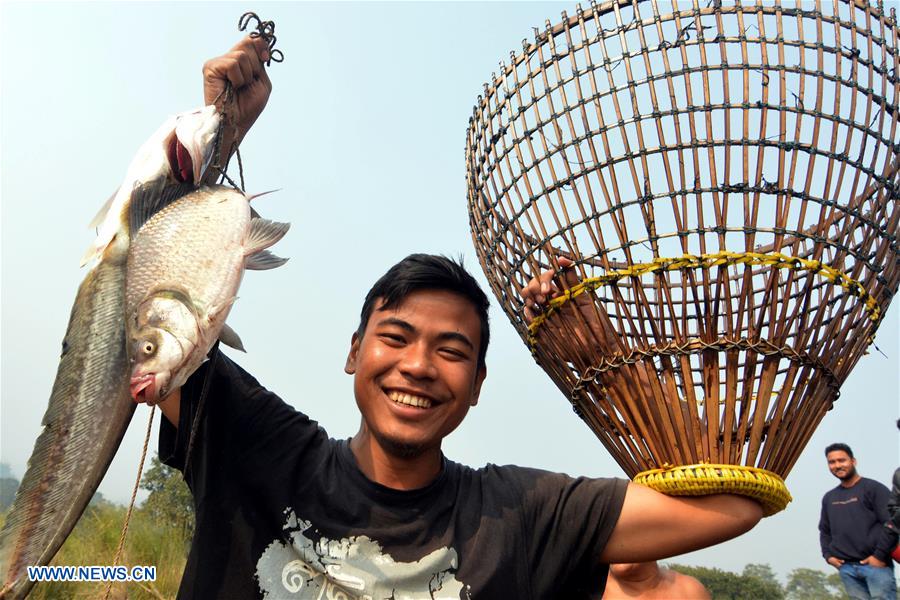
(654, 526)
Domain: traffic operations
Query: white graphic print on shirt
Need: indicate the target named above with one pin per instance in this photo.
(352, 568)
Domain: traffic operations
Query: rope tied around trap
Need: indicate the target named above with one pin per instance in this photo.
(695, 345)
(706, 261)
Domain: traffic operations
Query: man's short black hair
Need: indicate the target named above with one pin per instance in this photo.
(839, 446)
(428, 272)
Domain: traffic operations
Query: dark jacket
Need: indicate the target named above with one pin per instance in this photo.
(852, 524)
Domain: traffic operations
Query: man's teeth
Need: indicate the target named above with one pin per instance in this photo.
(402, 398)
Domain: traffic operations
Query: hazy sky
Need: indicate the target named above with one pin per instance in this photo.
(364, 134)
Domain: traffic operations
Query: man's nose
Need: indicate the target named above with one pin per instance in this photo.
(417, 362)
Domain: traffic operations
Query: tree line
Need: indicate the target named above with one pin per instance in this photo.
(758, 582)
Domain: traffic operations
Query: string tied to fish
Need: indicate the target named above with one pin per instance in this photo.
(266, 31)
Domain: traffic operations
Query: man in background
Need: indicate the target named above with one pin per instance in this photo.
(852, 529)
(648, 581)
(894, 508)
(894, 503)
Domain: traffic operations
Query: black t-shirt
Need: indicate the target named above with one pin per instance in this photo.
(284, 512)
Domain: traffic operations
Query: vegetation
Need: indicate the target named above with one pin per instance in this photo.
(758, 582)
(159, 535)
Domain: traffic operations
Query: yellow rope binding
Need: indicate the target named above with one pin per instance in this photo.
(765, 487)
(705, 261)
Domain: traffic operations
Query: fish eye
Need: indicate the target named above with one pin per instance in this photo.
(148, 347)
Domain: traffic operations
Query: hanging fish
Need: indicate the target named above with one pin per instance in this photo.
(90, 408)
(185, 265)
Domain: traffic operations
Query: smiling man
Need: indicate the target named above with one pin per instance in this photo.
(283, 511)
(852, 529)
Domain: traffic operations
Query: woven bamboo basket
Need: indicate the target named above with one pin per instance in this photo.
(725, 178)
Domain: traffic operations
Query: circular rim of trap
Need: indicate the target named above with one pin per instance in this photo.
(765, 487)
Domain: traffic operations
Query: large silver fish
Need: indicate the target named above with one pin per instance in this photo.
(185, 265)
(90, 408)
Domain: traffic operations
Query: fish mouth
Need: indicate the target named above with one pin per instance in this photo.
(143, 388)
(192, 144)
(180, 160)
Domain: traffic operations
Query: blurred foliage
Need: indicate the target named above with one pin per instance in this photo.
(8, 486)
(170, 500)
(810, 584)
(757, 582)
(159, 534)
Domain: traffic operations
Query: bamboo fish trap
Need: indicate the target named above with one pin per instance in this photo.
(725, 177)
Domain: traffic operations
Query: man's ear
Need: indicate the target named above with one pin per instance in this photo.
(350, 365)
(479, 379)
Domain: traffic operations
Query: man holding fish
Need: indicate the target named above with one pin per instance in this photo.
(285, 512)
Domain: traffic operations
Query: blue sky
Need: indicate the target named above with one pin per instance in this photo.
(364, 136)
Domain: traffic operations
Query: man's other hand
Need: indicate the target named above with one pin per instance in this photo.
(542, 288)
(835, 562)
(586, 323)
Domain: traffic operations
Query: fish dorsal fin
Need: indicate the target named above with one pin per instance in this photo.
(263, 260)
(253, 212)
(252, 197)
(229, 337)
(149, 198)
(263, 233)
(101, 214)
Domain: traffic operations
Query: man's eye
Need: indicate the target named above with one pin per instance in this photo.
(454, 353)
(393, 338)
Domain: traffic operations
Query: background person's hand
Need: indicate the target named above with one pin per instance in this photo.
(873, 562)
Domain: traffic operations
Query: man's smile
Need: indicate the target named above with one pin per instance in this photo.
(410, 399)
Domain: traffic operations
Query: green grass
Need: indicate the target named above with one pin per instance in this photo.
(94, 541)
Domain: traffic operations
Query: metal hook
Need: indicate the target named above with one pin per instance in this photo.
(265, 30)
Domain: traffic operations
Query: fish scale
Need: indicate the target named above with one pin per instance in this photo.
(86, 418)
(214, 225)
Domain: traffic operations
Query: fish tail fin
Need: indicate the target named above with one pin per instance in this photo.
(95, 250)
(101, 214)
